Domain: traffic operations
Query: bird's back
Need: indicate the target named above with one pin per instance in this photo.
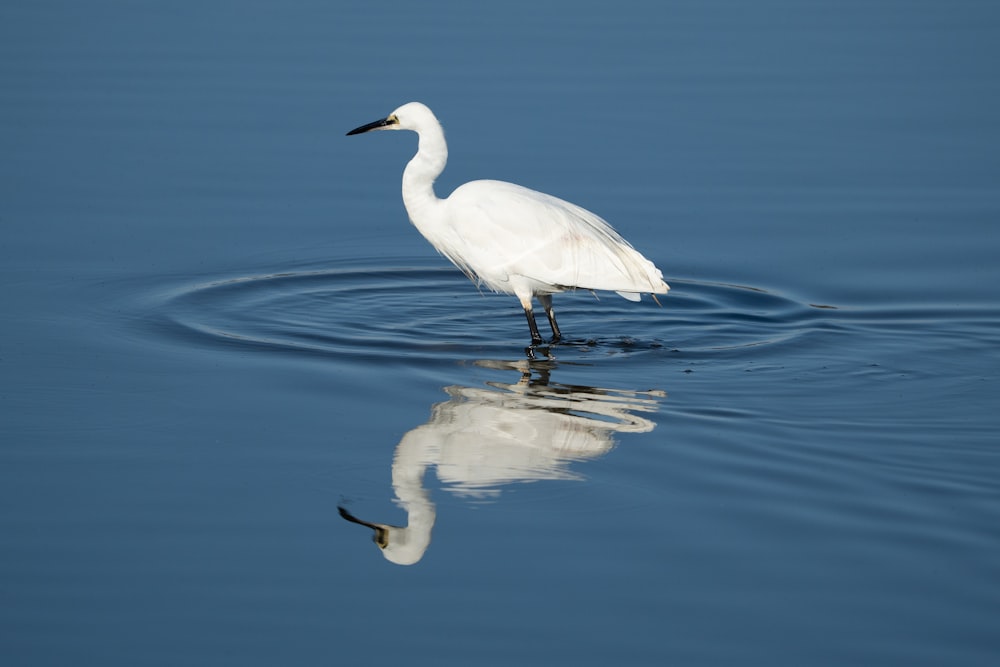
(500, 232)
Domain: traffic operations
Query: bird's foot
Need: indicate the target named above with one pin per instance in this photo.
(533, 351)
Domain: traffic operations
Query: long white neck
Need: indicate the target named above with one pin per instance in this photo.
(414, 452)
(421, 171)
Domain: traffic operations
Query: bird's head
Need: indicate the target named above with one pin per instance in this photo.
(400, 545)
(410, 116)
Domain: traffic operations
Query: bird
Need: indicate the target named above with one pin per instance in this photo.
(484, 438)
(512, 239)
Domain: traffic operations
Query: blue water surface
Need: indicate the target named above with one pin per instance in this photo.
(228, 362)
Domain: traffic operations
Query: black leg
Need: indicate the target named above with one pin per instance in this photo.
(556, 334)
(536, 338)
(546, 301)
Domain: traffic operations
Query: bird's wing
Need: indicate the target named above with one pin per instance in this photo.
(497, 229)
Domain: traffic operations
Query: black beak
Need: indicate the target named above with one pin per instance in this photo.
(381, 531)
(377, 125)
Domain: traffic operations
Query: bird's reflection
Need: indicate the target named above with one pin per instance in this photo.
(482, 438)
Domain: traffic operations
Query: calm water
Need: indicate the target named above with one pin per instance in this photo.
(221, 338)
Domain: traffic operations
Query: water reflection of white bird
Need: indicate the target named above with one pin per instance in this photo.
(486, 437)
(512, 239)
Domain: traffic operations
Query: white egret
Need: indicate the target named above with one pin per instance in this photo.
(487, 437)
(512, 239)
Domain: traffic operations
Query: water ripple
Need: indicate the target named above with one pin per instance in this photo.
(419, 313)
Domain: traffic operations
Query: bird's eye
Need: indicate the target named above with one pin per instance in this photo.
(392, 120)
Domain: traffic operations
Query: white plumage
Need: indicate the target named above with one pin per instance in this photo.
(512, 239)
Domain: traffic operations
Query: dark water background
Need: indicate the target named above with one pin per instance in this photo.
(218, 327)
